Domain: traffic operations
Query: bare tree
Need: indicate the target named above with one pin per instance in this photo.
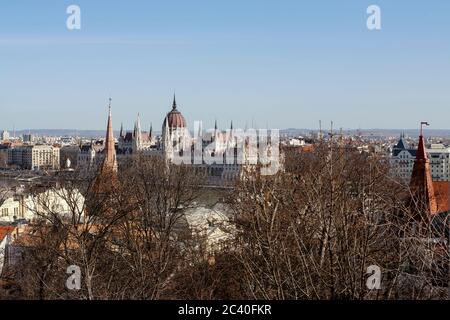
(4, 195)
(127, 236)
(308, 232)
(311, 232)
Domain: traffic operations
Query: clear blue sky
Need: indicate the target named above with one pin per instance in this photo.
(281, 63)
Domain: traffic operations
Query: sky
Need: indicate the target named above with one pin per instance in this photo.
(278, 64)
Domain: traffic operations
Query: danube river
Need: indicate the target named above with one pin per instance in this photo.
(17, 178)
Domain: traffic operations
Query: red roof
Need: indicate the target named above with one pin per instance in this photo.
(5, 230)
(441, 190)
(421, 184)
(174, 118)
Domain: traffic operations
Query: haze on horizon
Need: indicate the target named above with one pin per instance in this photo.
(279, 64)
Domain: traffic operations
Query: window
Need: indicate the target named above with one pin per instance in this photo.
(4, 212)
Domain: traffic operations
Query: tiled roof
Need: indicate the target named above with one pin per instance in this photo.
(441, 190)
(128, 137)
(402, 144)
(421, 184)
(85, 148)
(5, 230)
(412, 152)
(174, 118)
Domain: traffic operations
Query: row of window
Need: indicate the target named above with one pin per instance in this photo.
(4, 212)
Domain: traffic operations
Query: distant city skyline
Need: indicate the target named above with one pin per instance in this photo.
(281, 65)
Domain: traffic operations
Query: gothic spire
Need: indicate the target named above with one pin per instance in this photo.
(421, 185)
(121, 130)
(138, 123)
(137, 134)
(110, 150)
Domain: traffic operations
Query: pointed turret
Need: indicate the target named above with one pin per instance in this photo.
(167, 142)
(231, 129)
(121, 135)
(215, 135)
(421, 185)
(110, 161)
(137, 135)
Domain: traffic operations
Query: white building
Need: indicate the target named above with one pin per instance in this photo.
(12, 209)
(5, 136)
(210, 223)
(403, 156)
(27, 207)
(37, 157)
(87, 157)
(439, 156)
(136, 141)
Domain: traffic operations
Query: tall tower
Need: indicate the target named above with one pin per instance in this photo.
(121, 135)
(137, 143)
(150, 133)
(167, 143)
(423, 197)
(110, 161)
(174, 132)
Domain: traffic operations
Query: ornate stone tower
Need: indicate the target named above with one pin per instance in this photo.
(174, 132)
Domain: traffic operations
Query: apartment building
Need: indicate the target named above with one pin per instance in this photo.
(36, 157)
(403, 156)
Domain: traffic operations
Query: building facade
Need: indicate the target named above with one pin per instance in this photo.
(4, 136)
(403, 157)
(37, 157)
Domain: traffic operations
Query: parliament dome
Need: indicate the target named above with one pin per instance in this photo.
(174, 118)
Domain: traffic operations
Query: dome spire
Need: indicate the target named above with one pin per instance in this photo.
(174, 119)
(174, 104)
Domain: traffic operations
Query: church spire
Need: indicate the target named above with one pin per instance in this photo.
(110, 151)
(421, 185)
